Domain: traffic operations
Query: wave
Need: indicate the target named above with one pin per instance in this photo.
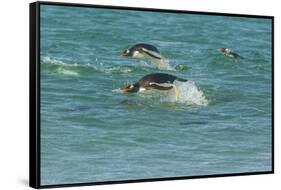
(99, 67)
(67, 72)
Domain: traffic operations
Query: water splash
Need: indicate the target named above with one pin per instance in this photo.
(189, 94)
(163, 64)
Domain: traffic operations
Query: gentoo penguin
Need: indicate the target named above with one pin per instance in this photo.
(158, 81)
(227, 52)
(146, 52)
(142, 51)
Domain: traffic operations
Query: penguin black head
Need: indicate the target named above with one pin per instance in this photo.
(131, 88)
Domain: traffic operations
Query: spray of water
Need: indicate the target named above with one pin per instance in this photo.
(189, 94)
(163, 64)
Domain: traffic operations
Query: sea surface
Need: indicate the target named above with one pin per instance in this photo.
(91, 132)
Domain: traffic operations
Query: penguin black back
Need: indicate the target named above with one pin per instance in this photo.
(159, 78)
(144, 45)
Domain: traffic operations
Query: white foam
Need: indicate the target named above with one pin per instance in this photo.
(51, 61)
(116, 69)
(48, 60)
(67, 72)
(188, 94)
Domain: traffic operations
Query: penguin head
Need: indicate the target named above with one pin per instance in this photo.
(225, 50)
(222, 49)
(135, 52)
(131, 88)
(127, 52)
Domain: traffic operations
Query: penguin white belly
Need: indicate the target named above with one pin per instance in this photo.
(144, 56)
(142, 89)
(138, 55)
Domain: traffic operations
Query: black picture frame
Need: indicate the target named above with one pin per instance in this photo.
(34, 94)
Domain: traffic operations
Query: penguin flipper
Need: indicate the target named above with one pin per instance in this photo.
(152, 53)
(163, 86)
(236, 55)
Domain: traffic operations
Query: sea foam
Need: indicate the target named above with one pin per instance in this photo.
(67, 72)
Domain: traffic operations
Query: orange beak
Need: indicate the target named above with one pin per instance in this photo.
(126, 89)
(124, 53)
(221, 49)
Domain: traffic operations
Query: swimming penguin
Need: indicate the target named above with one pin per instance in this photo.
(227, 52)
(146, 52)
(142, 51)
(158, 81)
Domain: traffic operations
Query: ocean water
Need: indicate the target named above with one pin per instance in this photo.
(90, 132)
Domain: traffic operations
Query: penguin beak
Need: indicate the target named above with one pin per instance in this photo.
(124, 53)
(221, 49)
(126, 89)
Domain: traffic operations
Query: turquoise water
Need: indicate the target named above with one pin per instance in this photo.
(91, 132)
